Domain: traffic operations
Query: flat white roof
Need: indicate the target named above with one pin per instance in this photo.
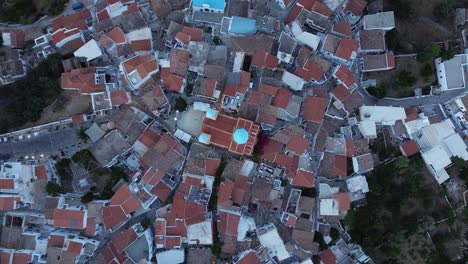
(382, 20)
(304, 38)
(387, 115)
(453, 73)
(173, 256)
(329, 207)
(90, 51)
(437, 158)
(456, 146)
(139, 34)
(441, 176)
(294, 82)
(434, 134)
(201, 233)
(325, 190)
(6, 38)
(273, 242)
(368, 129)
(357, 183)
(180, 134)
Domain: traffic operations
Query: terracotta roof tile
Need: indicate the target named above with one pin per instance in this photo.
(328, 257)
(113, 216)
(355, 7)
(314, 108)
(9, 203)
(344, 201)
(303, 179)
(293, 14)
(75, 20)
(298, 144)
(141, 45)
(346, 48)
(7, 183)
(212, 166)
(21, 258)
(262, 59)
(117, 35)
(78, 119)
(249, 258)
(162, 191)
(56, 241)
(343, 28)
(119, 98)
(16, 37)
(341, 93)
(75, 247)
(345, 76)
(409, 148)
(40, 172)
(195, 34)
(123, 197)
(73, 219)
(340, 166)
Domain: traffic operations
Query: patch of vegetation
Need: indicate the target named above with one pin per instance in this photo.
(217, 40)
(378, 92)
(405, 79)
(189, 89)
(383, 224)
(53, 189)
(334, 233)
(318, 237)
(444, 10)
(180, 104)
(394, 40)
(27, 11)
(212, 206)
(427, 71)
(88, 197)
(145, 222)
(405, 8)
(309, 192)
(24, 100)
(82, 135)
(116, 174)
(63, 169)
(429, 53)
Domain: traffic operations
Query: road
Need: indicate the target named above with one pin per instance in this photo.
(426, 100)
(46, 142)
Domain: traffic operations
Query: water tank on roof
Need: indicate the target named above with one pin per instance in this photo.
(77, 6)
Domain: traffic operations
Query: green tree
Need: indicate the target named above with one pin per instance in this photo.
(393, 40)
(427, 70)
(88, 197)
(63, 169)
(82, 135)
(145, 222)
(459, 162)
(405, 79)
(217, 40)
(53, 189)
(180, 104)
(405, 8)
(444, 10)
(402, 163)
(448, 54)
(435, 50)
(378, 92)
(334, 233)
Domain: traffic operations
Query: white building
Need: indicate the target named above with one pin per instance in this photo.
(371, 116)
(215, 6)
(453, 73)
(270, 239)
(383, 21)
(90, 51)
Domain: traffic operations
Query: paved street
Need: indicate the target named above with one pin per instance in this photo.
(45, 143)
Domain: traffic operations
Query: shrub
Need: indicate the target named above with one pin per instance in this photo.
(444, 10)
(393, 40)
(88, 197)
(180, 104)
(427, 70)
(378, 92)
(53, 189)
(405, 79)
(63, 169)
(405, 8)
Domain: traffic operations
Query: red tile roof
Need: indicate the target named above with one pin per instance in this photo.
(5, 257)
(56, 241)
(141, 45)
(62, 34)
(268, 89)
(298, 144)
(192, 212)
(303, 179)
(78, 119)
(16, 37)
(195, 34)
(172, 242)
(321, 9)
(123, 197)
(340, 166)
(149, 138)
(40, 172)
(152, 176)
(223, 128)
(9, 203)
(75, 247)
(179, 62)
(343, 28)
(341, 93)
(119, 98)
(228, 223)
(7, 183)
(240, 188)
(282, 98)
(225, 193)
(409, 148)
(103, 15)
(292, 220)
(120, 242)
(328, 257)
(355, 7)
(262, 59)
(183, 37)
(91, 227)
(390, 60)
(249, 258)
(75, 20)
(346, 48)
(73, 219)
(83, 80)
(162, 191)
(293, 14)
(113, 216)
(307, 4)
(345, 76)
(21, 258)
(411, 114)
(117, 35)
(314, 108)
(349, 148)
(212, 166)
(344, 201)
